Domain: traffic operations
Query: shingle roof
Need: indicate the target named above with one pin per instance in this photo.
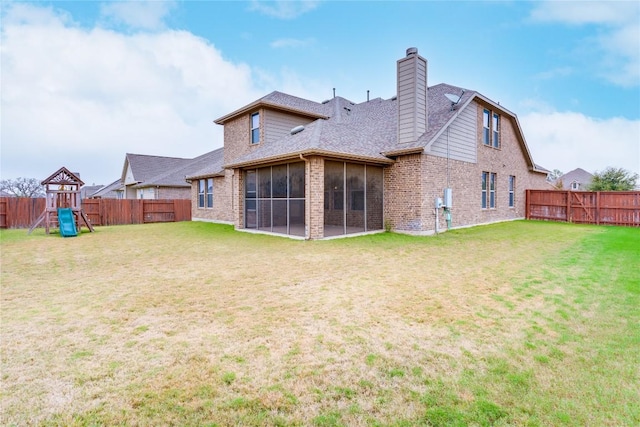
(208, 164)
(145, 167)
(350, 130)
(88, 190)
(365, 130)
(115, 185)
(281, 101)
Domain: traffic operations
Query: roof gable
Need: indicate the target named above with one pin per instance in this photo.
(283, 102)
(144, 167)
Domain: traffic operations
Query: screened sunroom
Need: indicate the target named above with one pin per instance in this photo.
(274, 199)
(352, 198)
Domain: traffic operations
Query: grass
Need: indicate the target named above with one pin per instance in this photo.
(521, 323)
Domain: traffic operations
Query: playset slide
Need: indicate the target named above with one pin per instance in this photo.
(67, 222)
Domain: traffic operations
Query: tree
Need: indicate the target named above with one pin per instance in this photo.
(554, 175)
(613, 179)
(22, 187)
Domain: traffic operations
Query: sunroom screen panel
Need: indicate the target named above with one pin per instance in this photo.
(355, 198)
(296, 180)
(334, 198)
(264, 215)
(296, 217)
(279, 176)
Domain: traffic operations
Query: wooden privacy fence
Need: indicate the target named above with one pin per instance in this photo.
(585, 207)
(21, 212)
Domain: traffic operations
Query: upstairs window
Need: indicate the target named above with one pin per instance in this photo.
(495, 124)
(255, 128)
(512, 191)
(486, 134)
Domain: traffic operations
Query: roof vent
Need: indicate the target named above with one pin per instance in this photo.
(297, 129)
(412, 51)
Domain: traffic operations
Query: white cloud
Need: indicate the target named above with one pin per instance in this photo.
(82, 98)
(554, 73)
(290, 43)
(284, 9)
(138, 14)
(586, 12)
(617, 44)
(572, 140)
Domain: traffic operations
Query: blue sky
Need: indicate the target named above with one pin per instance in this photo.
(83, 83)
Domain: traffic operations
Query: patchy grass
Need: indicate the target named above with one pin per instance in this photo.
(521, 323)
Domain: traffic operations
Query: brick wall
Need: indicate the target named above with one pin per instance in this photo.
(222, 210)
(414, 181)
(314, 195)
(237, 137)
(173, 193)
(402, 194)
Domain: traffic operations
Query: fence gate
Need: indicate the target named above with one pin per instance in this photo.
(585, 207)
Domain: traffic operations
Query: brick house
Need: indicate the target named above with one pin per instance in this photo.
(315, 170)
(157, 177)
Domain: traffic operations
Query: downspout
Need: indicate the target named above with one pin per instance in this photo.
(306, 205)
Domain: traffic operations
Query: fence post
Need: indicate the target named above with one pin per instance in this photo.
(569, 216)
(597, 208)
(527, 204)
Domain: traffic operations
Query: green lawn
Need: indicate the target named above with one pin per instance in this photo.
(519, 323)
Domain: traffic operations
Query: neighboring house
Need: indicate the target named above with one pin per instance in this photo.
(154, 177)
(576, 180)
(115, 190)
(87, 190)
(315, 170)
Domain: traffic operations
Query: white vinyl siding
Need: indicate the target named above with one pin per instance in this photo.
(462, 138)
(146, 193)
(128, 177)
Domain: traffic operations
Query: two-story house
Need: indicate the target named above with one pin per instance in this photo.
(428, 159)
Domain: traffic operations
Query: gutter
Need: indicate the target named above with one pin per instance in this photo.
(404, 151)
(290, 156)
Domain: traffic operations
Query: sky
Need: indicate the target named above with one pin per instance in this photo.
(85, 82)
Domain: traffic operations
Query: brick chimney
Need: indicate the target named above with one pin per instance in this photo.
(412, 96)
